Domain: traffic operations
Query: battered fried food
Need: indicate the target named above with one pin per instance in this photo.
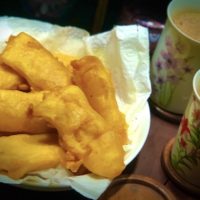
(10, 80)
(15, 112)
(96, 82)
(66, 60)
(106, 155)
(36, 64)
(83, 133)
(91, 134)
(23, 153)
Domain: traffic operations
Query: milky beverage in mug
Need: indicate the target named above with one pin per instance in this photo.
(176, 57)
(188, 21)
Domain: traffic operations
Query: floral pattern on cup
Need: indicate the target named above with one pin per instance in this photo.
(171, 67)
(188, 144)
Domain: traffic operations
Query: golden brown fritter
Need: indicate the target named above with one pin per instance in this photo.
(15, 112)
(96, 82)
(36, 64)
(10, 80)
(23, 153)
(83, 133)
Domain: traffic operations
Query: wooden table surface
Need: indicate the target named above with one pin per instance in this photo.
(147, 163)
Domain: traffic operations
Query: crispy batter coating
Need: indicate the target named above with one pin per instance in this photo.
(96, 82)
(10, 80)
(90, 128)
(66, 60)
(35, 63)
(23, 153)
(83, 133)
(15, 112)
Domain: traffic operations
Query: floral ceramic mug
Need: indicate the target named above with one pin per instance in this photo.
(174, 62)
(185, 154)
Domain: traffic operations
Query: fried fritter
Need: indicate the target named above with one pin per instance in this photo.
(15, 112)
(96, 82)
(23, 153)
(106, 156)
(36, 64)
(66, 60)
(83, 133)
(10, 80)
(91, 134)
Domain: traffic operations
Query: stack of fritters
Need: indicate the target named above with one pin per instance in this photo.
(57, 110)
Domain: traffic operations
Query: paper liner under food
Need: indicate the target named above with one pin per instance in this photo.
(125, 51)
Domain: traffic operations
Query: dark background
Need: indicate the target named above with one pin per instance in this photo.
(81, 13)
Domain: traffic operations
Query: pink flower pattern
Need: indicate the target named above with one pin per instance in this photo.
(170, 68)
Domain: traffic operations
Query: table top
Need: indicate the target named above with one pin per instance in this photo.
(147, 164)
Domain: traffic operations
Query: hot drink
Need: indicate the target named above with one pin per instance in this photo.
(188, 21)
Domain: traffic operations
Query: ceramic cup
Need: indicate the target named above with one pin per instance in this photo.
(185, 154)
(174, 62)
